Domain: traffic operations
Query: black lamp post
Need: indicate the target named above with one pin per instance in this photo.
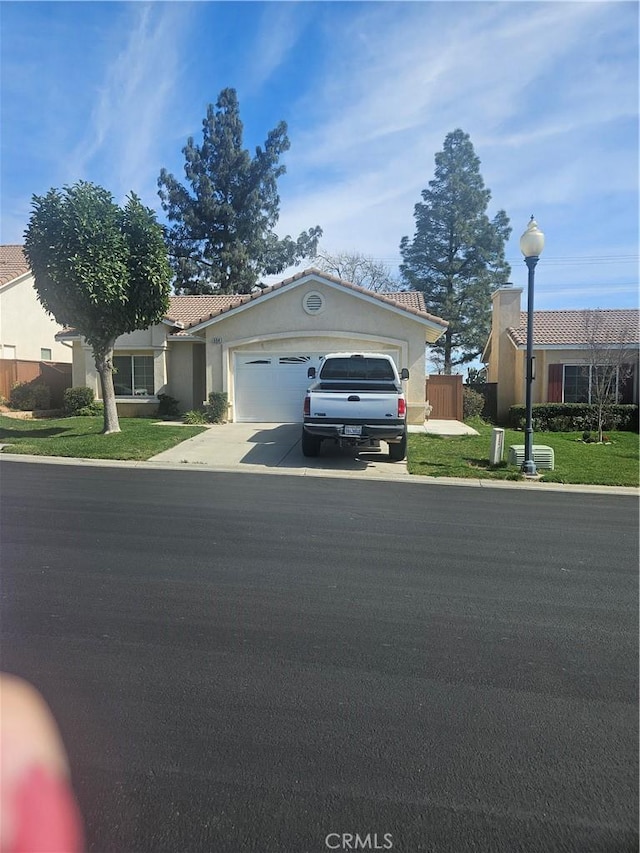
(531, 246)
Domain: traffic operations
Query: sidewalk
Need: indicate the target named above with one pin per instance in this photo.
(439, 427)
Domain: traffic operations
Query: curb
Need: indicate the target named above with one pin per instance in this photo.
(414, 479)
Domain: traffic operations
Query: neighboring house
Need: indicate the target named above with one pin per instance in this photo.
(258, 347)
(564, 355)
(27, 332)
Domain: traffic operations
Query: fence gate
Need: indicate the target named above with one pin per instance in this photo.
(444, 394)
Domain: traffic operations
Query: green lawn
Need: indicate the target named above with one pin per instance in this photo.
(81, 437)
(615, 464)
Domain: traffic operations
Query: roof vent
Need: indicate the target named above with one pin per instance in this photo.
(313, 302)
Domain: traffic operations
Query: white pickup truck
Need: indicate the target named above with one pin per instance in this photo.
(356, 400)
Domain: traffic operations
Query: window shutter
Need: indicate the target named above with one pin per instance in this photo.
(626, 386)
(554, 394)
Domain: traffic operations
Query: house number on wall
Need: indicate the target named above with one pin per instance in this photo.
(216, 340)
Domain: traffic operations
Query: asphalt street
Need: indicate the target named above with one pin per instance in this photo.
(243, 662)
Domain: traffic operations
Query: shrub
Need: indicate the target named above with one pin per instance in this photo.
(75, 399)
(575, 417)
(26, 396)
(194, 416)
(92, 410)
(215, 411)
(472, 404)
(168, 406)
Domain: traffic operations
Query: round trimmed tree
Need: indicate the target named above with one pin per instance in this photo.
(99, 268)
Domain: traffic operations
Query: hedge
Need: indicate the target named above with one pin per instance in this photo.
(575, 417)
(472, 403)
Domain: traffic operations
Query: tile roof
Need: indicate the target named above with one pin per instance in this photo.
(558, 328)
(12, 263)
(409, 301)
(188, 311)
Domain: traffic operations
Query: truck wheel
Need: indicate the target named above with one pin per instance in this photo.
(398, 451)
(310, 444)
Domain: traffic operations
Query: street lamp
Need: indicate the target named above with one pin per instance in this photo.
(531, 246)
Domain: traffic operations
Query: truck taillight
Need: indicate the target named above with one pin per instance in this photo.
(306, 411)
(402, 407)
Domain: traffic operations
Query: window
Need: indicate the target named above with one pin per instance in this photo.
(357, 368)
(45, 354)
(133, 376)
(576, 383)
(581, 382)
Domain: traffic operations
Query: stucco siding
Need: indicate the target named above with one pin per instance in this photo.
(199, 380)
(345, 323)
(154, 336)
(83, 371)
(25, 325)
(185, 369)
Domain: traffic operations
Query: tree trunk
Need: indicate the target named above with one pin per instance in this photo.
(104, 365)
(447, 353)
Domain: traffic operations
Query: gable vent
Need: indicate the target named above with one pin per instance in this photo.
(313, 302)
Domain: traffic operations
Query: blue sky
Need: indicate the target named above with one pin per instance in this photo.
(548, 91)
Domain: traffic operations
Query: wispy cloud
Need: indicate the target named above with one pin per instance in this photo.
(133, 101)
(528, 81)
(280, 27)
(548, 92)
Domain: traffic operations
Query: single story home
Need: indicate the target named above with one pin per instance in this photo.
(258, 347)
(566, 345)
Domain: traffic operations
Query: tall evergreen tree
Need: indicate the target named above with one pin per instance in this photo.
(221, 238)
(456, 256)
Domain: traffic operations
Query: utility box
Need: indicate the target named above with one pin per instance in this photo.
(497, 446)
(543, 456)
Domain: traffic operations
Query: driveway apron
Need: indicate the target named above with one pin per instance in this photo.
(276, 447)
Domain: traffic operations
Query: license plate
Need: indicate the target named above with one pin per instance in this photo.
(350, 429)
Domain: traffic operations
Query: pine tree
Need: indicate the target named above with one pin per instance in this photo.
(221, 238)
(456, 256)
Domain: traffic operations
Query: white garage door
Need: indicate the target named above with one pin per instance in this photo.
(270, 387)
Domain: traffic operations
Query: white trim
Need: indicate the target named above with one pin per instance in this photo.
(561, 347)
(124, 350)
(17, 280)
(158, 371)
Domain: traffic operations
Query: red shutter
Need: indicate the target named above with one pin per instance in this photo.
(554, 393)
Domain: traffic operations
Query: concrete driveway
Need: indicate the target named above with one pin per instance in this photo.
(276, 448)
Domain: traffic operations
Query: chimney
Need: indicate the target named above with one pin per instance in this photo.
(505, 310)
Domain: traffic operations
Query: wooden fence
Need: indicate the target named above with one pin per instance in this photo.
(56, 375)
(444, 394)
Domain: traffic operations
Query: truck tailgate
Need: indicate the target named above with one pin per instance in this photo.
(356, 406)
